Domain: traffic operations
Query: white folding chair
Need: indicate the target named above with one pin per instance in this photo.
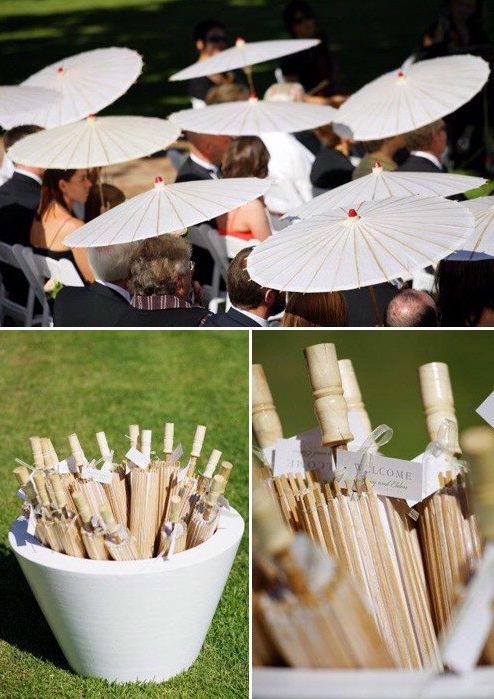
(37, 271)
(16, 310)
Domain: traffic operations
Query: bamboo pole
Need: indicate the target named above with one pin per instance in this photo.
(265, 421)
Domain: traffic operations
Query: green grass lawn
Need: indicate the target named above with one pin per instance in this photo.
(54, 383)
(386, 364)
(368, 38)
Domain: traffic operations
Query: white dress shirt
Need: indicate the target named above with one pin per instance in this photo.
(205, 164)
(260, 321)
(427, 156)
(123, 292)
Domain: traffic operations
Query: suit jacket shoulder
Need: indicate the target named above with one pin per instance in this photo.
(414, 163)
(190, 171)
(231, 319)
(91, 306)
(170, 318)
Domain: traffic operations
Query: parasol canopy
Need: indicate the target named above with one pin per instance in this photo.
(372, 243)
(167, 209)
(88, 82)
(253, 117)
(413, 96)
(481, 243)
(95, 142)
(381, 184)
(19, 104)
(244, 54)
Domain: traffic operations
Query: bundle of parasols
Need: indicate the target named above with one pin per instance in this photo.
(147, 505)
(346, 577)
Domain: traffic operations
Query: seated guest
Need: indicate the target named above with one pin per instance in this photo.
(162, 293)
(465, 290)
(382, 151)
(210, 39)
(55, 221)
(205, 156)
(426, 147)
(290, 161)
(411, 308)
(332, 166)
(252, 304)
(103, 303)
(19, 195)
(246, 156)
(112, 196)
(321, 310)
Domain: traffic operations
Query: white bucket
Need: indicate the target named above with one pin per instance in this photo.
(128, 621)
(285, 683)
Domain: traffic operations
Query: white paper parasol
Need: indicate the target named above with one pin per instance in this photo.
(167, 209)
(375, 242)
(482, 240)
(381, 184)
(88, 82)
(407, 99)
(19, 104)
(253, 117)
(244, 54)
(95, 142)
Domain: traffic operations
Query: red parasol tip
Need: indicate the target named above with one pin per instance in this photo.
(352, 213)
(239, 41)
(91, 117)
(401, 74)
(157, 180)
(377, 164)
(60, 70)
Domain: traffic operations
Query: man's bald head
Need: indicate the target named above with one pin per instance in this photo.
(411, 308)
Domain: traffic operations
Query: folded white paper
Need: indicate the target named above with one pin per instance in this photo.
(486, 410)
(302, 452)
(95, 474)
(138, 458)
(177, 453)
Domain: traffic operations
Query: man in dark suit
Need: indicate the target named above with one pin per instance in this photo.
(252, 304)
(205, 156)
(105, 302)
(426, 147)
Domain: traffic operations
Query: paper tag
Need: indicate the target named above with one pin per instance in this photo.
(137, 458)
(21, 494)
(67, 465)
(171, 548)
(486, 410)
(182, 474)
(302, 452)
(434, 465)
(95, 474)
(394, 478)
(462, 645)
(176, 455)
(31, 523)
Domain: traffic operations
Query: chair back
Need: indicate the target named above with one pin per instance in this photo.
(10, 256)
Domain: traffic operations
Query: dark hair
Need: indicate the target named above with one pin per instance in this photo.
(51, 192)
(324, 310)
(243, 292)
(112, 196)
(411, 308)
(292, 9)
(202, 29)
(464, 290)
(229, 92)
(246, 156)
(17, 133)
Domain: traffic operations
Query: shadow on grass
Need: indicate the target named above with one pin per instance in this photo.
(22, 623)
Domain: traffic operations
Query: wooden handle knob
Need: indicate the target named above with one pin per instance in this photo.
(265, 421)
(108, 519)
(58, 489)
(217, 488)
(225, 470)
(272, 534)
(37, 452)
(329, 404)
(103, 446)
(212, 463)
(82, 505)
(76, 449)
(175, 507)
(437, 399)
(134, 436)
(168, 438)
(198, 441)
(21, 474)
(146, 436)
(478, 448)
(49, 455)
(40, 482)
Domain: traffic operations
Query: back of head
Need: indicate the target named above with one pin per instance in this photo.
(202, 29)
(229, 92)
(112, 196)
(411, 308)
(421, 139)
(243, 292)
(285, 92)
(111, 263)
(326, 309)
(17, 133)
(372, 146)
(246, 156)
(157, 265)
(464, 290)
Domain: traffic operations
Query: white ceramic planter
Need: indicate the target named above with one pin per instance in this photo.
(129, 621)
(284, 683)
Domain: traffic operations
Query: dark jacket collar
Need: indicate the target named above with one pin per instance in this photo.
(242, 319)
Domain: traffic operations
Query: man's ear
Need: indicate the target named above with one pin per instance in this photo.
(200, 45)
(270, 297)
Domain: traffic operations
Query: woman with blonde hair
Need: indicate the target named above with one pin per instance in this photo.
(321, 310)
(55, 220)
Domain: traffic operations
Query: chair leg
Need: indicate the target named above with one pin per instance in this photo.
(29, 308)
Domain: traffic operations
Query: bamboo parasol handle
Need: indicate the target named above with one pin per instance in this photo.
(437, 399)
(265, 421)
